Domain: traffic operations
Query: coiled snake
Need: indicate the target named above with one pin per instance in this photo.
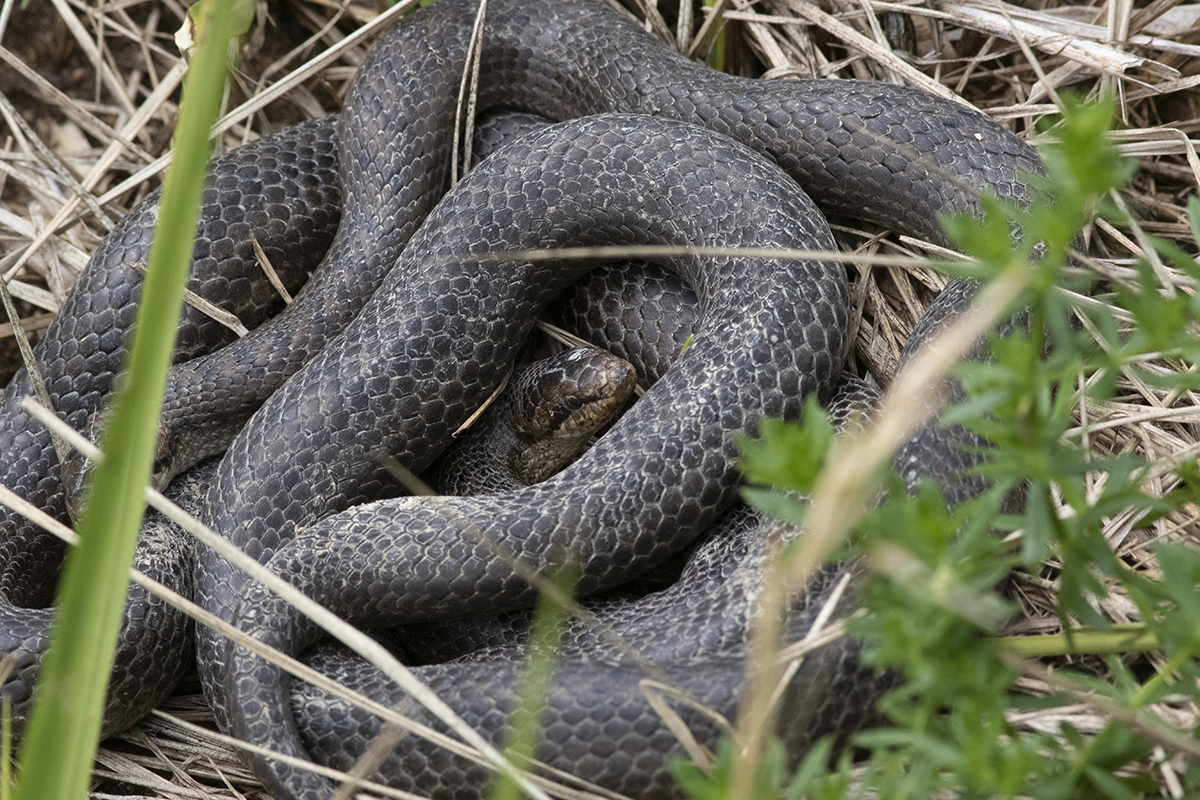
(660, 477)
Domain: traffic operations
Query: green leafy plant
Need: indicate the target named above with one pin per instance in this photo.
(934, 605)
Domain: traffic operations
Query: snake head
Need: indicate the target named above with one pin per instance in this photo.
(560, 403)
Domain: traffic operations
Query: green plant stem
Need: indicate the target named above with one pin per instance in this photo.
(1165, 673)
(716, 56)
(1135, 639)
(64, 727)
(537, 680)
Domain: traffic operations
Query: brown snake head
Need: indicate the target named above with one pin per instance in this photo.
(543, 420)
(560, 405)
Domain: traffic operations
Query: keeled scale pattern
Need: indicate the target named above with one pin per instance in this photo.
(565, 59)
(643, 312)
(598, 725)
(544, 58)
(154, 644)
(690, 636)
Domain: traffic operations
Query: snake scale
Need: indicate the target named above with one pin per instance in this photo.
(305, 461)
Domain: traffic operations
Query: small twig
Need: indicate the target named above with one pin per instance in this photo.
(464, 115)
(268, 269)
(36, 381)
(486, 403)
(214, 312)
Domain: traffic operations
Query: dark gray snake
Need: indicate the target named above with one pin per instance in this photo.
(561, 60)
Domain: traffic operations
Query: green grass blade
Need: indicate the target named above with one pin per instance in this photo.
(5, 748)
(537, 680)
(64, 727)
(716, 55)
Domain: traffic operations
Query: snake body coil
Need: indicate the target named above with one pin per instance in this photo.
(769, 338)
(562, 59)
(773, 329)
(646, 489)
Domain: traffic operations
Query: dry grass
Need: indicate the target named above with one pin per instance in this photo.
(87, 97)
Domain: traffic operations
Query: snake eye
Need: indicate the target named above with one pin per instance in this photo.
(575, 403)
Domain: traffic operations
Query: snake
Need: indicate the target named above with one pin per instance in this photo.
(557, 59)
(896, 155)
(600, 725)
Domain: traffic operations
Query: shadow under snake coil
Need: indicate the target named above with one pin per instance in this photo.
(436, 332)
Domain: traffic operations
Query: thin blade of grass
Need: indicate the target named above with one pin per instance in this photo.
(5, 748)
(537, 679)
(64, 727)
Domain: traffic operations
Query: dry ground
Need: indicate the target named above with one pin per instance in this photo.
(87, 98)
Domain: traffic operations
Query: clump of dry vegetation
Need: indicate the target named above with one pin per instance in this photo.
(88, 94)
